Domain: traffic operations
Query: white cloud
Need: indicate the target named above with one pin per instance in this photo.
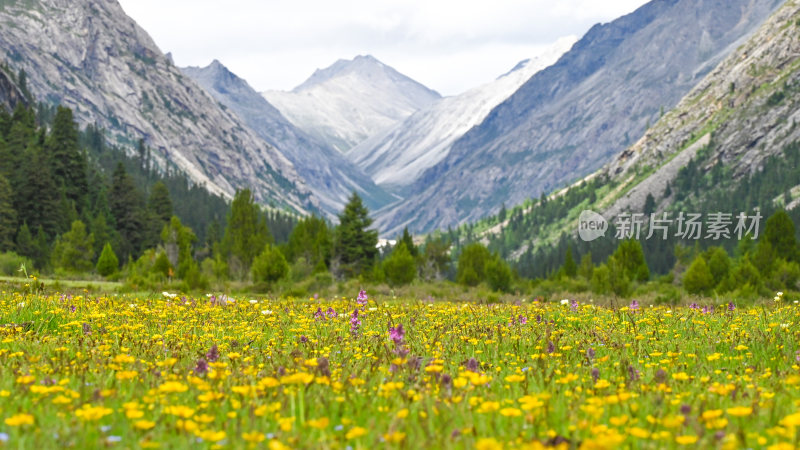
(448, 45)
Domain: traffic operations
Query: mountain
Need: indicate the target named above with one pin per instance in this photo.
(731, 145)
(351, 100)
(93, 58)
(397, 158)
(571, 118)
(330, 176)
(10, 93)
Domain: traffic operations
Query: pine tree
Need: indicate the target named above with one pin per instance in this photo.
(8, 216)
(400, 268)
(409, 242)
(355, 245)
(246, 233)
(310, 239)
(36, 197)
(108, 263)
(74, 250)
(779, 231)
(178, 241)
(127, 207)
(698, 278)
(472, 264)
(160, 203)
(570, 268)
(67, 159)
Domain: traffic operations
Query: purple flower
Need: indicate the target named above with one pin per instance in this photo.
(330, 313)
(303, 339)
(551, 347)
(686, 409)
(538, 318)
(574, 305)
(354, 322)
(362, 298)
(797, 356)
(590, 353)
(708, 310)
(87, 329)
(595, 374)
(633, 374)
(213, 353)
(201, 367)
(694, 306)
(473, 365)
(634, 305)
(319, 315)
(731, 306)
(397, 334)
(523, 320)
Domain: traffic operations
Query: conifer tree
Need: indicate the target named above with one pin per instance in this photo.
(355, 244)
(108, 263)
(246, 233)
(74, 250)
(67, 159)
(8, 216)
(160, 203)
(126, 205)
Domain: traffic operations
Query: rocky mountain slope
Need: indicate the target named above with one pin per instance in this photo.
(397, 158)
(351, 100)
(89, 55)
(571, 118)
(744, 112)
(330, 176)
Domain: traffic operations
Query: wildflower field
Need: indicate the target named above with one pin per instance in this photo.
(170, 371)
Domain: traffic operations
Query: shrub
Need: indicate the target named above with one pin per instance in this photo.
(400, 268)
(698, 278)
(108, 263)
(10, 263)
(269, 266)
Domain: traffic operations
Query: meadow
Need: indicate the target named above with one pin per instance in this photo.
(90, 370)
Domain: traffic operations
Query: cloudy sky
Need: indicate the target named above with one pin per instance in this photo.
(448, 45)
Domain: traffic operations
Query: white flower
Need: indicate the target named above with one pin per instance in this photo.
(21, 305)
(779, 294)
(253, 302)
(565, 301)
(266, 312)
(168, 295)
(784, 325)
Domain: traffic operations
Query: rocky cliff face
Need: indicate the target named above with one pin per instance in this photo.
(571, 118)
(10, 94)
(750, 104)
(344, 104)
(326, 171)
(89, 55)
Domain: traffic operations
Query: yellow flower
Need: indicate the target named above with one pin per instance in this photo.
(134, 414)
(172, 387)
(90, 413)
(395, 437)
(254, 436)
(686, 440)
(792, 420)
(319, 424)
(285, 423)
(488, 444)
(355, 432)
(180, 411)
(510, 412)
(680, 376)
(402, 414)
(489, 406)
(515, 378)
(234, 355)
(637, 432)
(126, 374)
(297, 378)
(19, 420)
(144, 424)
(26, 379)
(739, 411)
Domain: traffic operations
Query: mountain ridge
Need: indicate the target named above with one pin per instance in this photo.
(326, 171)
(93, 58)
(351, 100)
(565, 122)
